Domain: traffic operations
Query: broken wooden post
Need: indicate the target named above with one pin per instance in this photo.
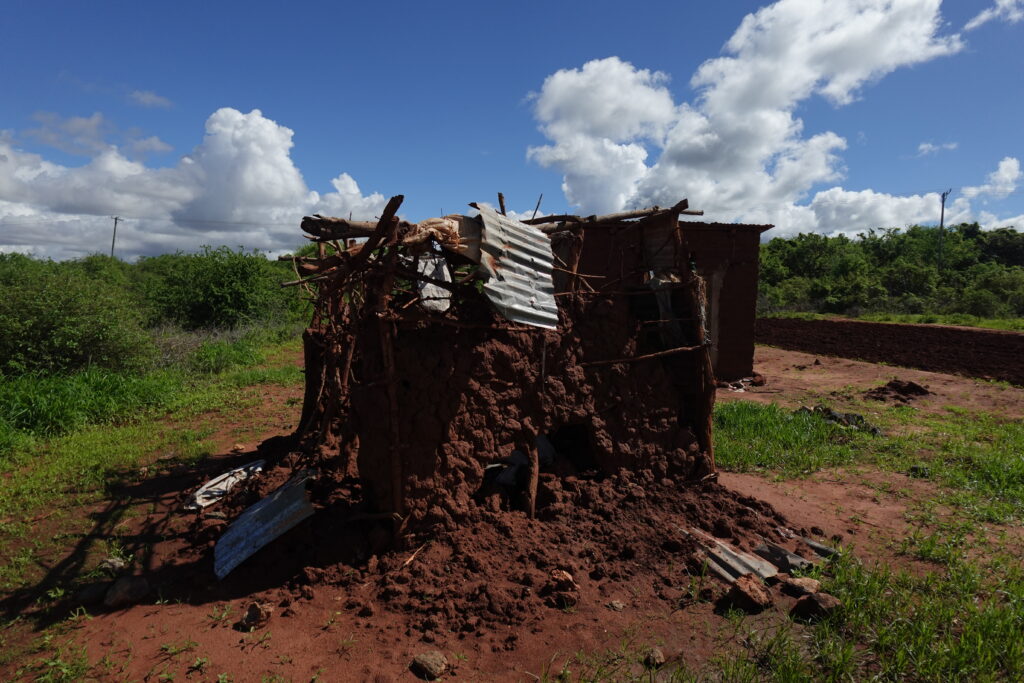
(530, 436)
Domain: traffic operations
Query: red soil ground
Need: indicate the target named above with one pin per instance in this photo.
(482, 592)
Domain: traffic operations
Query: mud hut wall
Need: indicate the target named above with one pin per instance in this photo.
(464, 394)
(727, 256)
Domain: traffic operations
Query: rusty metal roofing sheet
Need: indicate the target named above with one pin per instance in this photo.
(262, 523)
(518, 261)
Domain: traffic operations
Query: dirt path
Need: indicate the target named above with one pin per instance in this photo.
(796, 378)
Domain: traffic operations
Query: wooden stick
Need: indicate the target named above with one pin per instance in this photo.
(501, 203)
(530, 435)
(633, 359)
(384, 228)
(610, 217)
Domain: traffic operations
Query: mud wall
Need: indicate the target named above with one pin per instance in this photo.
(470, 396)
(988, 354)
(727, 256)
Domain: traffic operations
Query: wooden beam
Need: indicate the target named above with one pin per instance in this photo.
(634, 359)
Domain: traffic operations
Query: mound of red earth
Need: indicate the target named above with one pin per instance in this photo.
(989, 354)
(480, 568)
(898, 391)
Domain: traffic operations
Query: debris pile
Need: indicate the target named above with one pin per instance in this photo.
(898, 391)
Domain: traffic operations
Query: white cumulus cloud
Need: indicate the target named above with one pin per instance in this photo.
(1000, 182)
(738, 150)
(239, 187)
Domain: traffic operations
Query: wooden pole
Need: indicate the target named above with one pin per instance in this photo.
(530, 434)
(707, 373)
(647, 356)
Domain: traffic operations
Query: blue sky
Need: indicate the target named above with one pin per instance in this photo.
(812, 115)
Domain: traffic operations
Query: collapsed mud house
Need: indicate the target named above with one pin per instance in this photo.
(500, 417)
(442, 350)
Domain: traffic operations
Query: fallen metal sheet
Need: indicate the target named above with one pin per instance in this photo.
(782, 558)
(518, 262)
(821, 548)
(262, 523)
(735, 561)
(218, 487)
(433, 297)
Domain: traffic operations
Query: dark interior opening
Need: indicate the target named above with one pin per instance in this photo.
(572, 443)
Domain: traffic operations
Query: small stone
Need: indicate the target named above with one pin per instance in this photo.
(112, 565)
(563, 580)
(815, 606)
(654, 658)
(257, 614)
(749, 594)
(803, 585)
(126, 591)
(616, 605)
(238, 448)
(429, 665)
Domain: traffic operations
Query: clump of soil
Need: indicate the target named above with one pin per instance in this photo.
(898, 391)
(482, 568)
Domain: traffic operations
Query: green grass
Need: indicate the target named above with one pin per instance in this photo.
(756, 437)
(976, 458)
(960, 622)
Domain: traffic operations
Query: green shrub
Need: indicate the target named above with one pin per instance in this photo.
(55, 318)
(216, 288)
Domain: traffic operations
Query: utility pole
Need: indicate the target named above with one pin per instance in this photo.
(114, 238)
(942, 225)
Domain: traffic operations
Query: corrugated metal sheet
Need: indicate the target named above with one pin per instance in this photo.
(518, 261)
(262, 523)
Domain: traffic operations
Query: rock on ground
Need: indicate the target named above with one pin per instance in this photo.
(429, 665)
(654, 658)
(749, 594)
(815, 606)
(257, 614)
(798, 586)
